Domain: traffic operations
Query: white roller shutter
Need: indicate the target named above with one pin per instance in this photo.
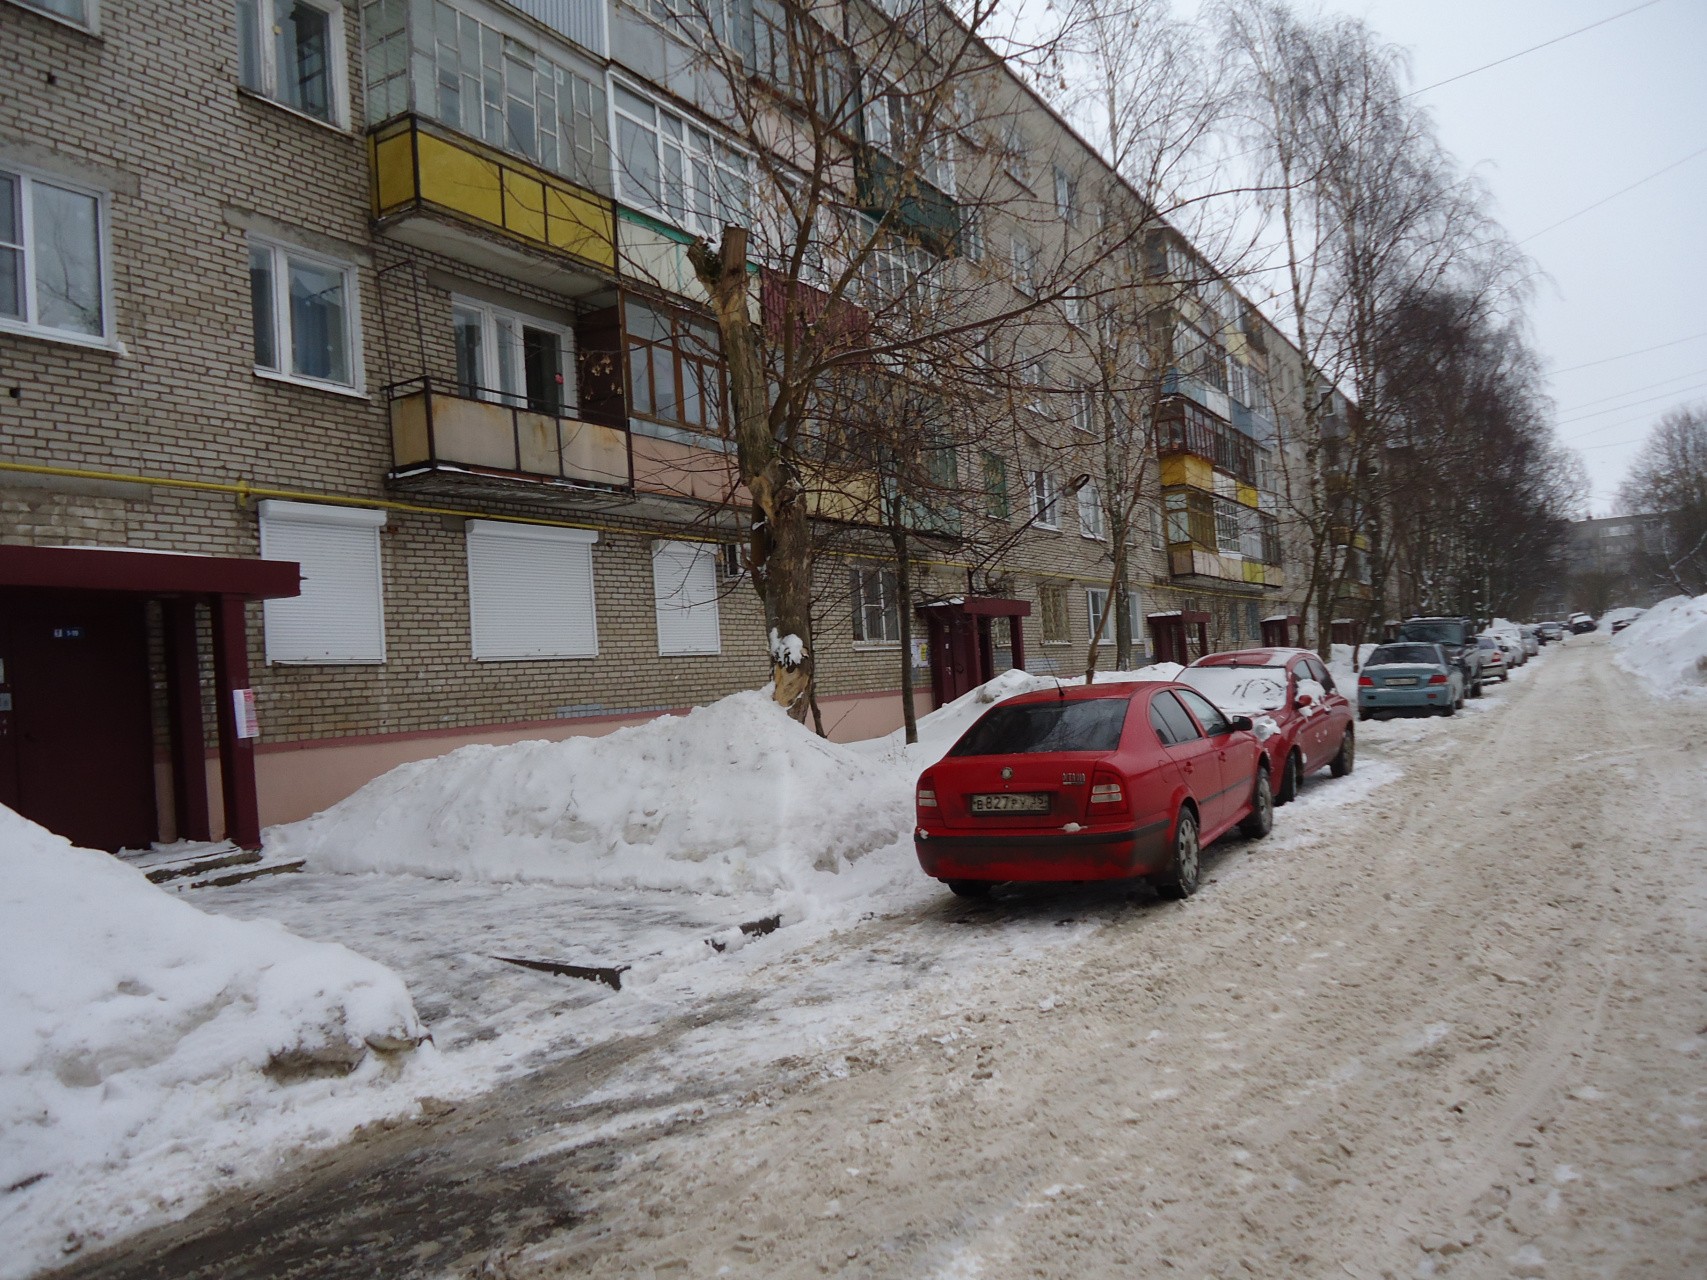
(684, 588)
(530, 591)
(340, 615)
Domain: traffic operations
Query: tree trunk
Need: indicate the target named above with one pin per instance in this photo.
(780, 534)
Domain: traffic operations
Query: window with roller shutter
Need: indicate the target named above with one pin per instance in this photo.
(340, 615)
(530, 592)
(684, 590)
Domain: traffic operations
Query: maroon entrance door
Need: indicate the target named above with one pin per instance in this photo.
(76, 753)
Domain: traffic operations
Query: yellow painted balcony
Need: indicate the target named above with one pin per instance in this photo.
(434, 431)
(421, 167)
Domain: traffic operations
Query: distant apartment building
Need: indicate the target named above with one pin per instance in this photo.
(1613, 561)
(358, 402)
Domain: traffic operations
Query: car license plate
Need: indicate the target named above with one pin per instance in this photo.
(1012, 802)
(1402, 680)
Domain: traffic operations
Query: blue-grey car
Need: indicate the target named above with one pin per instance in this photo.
(1409, 678)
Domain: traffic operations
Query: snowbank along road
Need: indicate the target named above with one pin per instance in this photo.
(1456, 1028)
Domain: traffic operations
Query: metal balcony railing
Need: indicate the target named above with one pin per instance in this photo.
(434, 428)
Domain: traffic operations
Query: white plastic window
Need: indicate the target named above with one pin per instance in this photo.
(304, 313)
(53, 268)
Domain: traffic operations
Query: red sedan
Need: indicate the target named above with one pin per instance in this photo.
(1312, 719)
(1099, 782)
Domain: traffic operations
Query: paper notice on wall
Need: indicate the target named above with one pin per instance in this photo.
(921, 653)
(243, 705)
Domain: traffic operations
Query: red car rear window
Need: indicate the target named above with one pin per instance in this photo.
(1088, 725)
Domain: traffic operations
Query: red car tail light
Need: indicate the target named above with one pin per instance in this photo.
(1108, 793)
(927, 798)
(1365, 680)
(1437, 679)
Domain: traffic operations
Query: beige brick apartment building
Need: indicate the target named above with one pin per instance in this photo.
(395, 292)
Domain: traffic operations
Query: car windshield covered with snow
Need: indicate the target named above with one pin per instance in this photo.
(1084, 724)
(1393, 655)
(1239, 689)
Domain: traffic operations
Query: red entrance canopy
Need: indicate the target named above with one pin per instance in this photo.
(148, 573)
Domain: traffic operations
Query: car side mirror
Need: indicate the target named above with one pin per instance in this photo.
(1241, 722)
(1304, 700)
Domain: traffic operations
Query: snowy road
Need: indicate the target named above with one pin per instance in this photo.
(1457, 1028)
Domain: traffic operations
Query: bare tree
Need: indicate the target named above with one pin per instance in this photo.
(1369, 210)
(877, 140)
(1669, 479)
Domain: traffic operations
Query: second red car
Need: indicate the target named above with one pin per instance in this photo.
(1312, 719)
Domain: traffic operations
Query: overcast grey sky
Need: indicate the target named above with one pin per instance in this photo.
(1555, 131)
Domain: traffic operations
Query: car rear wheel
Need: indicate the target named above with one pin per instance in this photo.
(969, 888)
(1260, 821)
(1180, 879)
(1343, 762)
(1292, 774)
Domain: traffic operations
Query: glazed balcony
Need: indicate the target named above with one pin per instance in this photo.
(921, 212)
(1185, 429)
(447, 438)
(1217, 538)
(437, 189)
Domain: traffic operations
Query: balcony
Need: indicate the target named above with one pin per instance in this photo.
(921, 212)
(436, 189)
(1257, 426)
(1185, 430)
(437, 436)
(1195, 389)
(1215, 537)
(1188, 561)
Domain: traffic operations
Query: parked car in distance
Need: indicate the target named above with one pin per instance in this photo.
(1551, 631)
(1581, 623)
(1510, 639)
(1495, 661)
(1405, 678)
(1511, 646)
(1618, 624)
(1455, 636)
(1091, 782)
(1293, 688)
(1531, 640)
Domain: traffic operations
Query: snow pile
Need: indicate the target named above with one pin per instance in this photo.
(1667, 647)
(731, 797)
(1604, 626)
(942, 728)
(1340, 666)
(128, 1018)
